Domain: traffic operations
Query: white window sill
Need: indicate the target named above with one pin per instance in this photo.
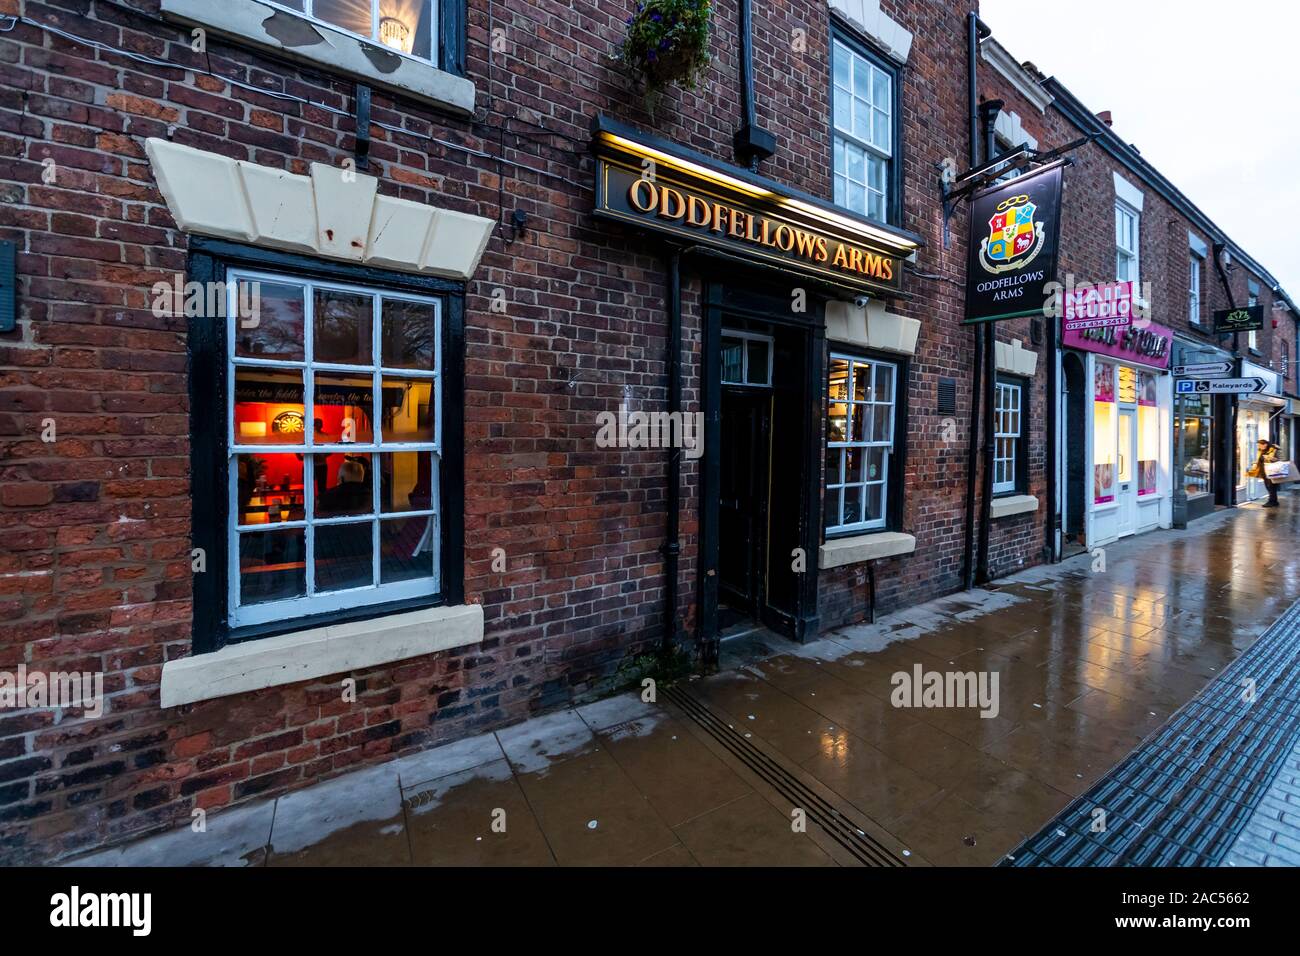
(1013, 505)
(839, 552)
(318, 652)
(277, 29)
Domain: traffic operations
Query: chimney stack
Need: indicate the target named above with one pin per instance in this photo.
(1104, 116)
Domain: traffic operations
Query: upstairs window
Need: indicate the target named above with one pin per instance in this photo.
(1194, 289)
(1252, 299)
(405, 26)
(864, 108)
(1126, 242)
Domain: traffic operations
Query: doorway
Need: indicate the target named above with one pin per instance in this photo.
(742, 502)
(1126, 475)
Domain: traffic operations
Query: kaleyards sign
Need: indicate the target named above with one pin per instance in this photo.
(1102, 306)
(1014, 229)
(1144, 343)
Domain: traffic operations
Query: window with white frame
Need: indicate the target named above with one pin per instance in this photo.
(1252, 299)
(1194, 289)
(1126, 242)
(333, 444)
(746, 358)
(1007, 468)
(859, 442)
(863, 107)
(406, 26)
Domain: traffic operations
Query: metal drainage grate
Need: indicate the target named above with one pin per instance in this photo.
(1184, 795)
(836, 822)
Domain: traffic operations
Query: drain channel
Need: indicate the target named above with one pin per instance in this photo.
(1184, 795)
(838, 823)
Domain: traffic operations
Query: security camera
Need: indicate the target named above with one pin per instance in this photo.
(861, 301)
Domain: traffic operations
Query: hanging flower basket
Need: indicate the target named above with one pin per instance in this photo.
(667, 44)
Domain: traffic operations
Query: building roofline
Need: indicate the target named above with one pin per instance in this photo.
(1087, 122)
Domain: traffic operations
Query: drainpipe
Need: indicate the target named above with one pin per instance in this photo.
(752, 145)
(672, 545)
(972, 454)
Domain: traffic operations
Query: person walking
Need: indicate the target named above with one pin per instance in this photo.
(1267, 454)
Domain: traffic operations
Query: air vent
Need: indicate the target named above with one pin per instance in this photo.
(947, 396)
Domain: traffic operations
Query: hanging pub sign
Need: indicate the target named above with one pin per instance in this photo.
(659, 186)
(1249, 319)
(1014, 230)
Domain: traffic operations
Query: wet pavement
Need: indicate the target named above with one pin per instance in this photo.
(798, 756)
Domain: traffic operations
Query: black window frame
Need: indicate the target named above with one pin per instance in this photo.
(895, 487)
(1021, 484)
(209, 260)
(851, 37)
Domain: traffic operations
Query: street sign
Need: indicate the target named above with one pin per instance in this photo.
(1220, 386)
(1203, 370)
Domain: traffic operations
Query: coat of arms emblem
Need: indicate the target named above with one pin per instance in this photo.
(1014, 237)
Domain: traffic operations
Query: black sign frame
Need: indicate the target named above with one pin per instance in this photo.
(1247, 319)
(995, 291)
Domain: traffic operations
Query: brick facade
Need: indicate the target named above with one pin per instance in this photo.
(96, 573)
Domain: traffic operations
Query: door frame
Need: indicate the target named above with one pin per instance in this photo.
(1126, 493)
(763, 302)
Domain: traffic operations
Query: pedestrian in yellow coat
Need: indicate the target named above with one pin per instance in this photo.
(1267, 455)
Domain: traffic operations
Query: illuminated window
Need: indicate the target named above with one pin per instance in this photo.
(859, 442)
(406, 26)
(864, 107)
(334, 447)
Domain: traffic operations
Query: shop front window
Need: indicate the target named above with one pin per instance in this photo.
(859, 442)
(1105, 438)
(1194, 423)
(1148, 423)
(334, 448)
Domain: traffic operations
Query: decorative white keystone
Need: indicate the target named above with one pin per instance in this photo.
(1014, 359)
(871, 326)
(332, 212)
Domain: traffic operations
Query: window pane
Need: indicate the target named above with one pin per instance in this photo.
(343, 408)
(853, 504)
(269, 320)
(875, 464)
(268, 406)
(860, 424)
(853, 465)
(408, 410)
(733, 360)
(840, 64)
(353, 15)
(406, 548)
(861, 381)
(834, 459)
(268, 488)
(407, 26)
(861, 78)
(757, 373)
(407, 334)
(834, 507)
(880, 129)
(882, 423)
(875, 502)
(881, 94)
(406, 481)
(344, 556)
(883, 391)
(857, 170)
(342, 324)
(272, 566)
(342, 485)
(876, 206)
(861, 120)
(839, 380)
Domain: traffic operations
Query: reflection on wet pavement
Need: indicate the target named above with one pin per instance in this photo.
(1088, 664)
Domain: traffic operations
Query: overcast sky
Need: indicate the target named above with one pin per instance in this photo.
(1209, 92)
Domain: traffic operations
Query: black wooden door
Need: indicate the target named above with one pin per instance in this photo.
(742, 501)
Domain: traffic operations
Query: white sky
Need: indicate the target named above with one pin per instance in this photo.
(1209, 92)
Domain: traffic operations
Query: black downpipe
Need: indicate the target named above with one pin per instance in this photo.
(972, 454)
(747, 61)
(986, 499)
(1230, 442)
(672, 545)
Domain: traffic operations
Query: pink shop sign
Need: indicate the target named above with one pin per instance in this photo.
(1098, 306)
(1144, 343)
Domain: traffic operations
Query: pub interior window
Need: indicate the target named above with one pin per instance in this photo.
(406, 26)
(864, 107)
(1194, 289)
(1008, 468)
(859, 442)
(1126, 242)
(746, 358)
(334, 447)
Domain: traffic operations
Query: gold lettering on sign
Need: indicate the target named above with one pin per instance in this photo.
(733, 222)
